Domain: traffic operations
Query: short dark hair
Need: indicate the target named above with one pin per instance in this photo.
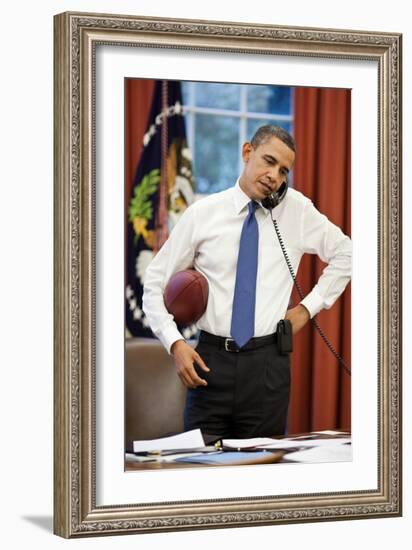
(267, 131)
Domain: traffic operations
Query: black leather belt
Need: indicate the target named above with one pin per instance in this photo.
(229, 344)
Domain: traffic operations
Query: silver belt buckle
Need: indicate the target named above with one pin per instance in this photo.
(227, 340)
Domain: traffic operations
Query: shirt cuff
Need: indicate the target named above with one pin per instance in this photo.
(169, 337)
(313, 302)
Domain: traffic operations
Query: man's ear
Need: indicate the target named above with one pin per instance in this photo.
(246, 150)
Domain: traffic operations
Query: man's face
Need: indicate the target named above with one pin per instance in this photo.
(265, 168)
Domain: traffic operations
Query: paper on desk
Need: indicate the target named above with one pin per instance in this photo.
(290, 443)
(185, 440)
(226, 457)
(337, 453)
(176, 457)
(287, 443)
(131, 457)
(246, 443)
(331, 432)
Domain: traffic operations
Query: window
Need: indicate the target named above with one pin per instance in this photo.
(220, 118)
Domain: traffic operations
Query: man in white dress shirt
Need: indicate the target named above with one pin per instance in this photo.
(244, 392)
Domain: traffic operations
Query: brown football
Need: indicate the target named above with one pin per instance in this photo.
(186, 295)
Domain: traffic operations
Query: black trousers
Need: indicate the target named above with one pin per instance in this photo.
(247, 393)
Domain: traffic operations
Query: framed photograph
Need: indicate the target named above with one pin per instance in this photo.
(96, 55)
(207, 125)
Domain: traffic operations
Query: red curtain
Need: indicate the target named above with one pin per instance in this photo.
(321, 392)
(138, 99)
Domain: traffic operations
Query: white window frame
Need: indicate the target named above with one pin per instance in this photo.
(190, 109)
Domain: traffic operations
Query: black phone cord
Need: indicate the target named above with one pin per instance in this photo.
(298, 288)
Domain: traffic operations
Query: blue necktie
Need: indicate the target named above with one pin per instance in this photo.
(243, 312)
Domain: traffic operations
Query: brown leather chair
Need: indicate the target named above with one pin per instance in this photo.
(154, 394)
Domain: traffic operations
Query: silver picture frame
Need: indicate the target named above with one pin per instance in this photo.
(76, 37)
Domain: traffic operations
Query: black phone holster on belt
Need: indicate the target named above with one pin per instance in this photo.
(284, 337)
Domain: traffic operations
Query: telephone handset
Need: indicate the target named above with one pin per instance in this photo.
(270, 202)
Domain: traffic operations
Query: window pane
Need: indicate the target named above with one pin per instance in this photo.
(216, 152)
(254, 123)
(185, 92)
(219, 96)
(269, 99)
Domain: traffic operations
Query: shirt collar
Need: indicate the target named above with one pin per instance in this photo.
(241, 200)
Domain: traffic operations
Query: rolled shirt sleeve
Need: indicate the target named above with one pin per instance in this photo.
(320, 236)
(176, 254)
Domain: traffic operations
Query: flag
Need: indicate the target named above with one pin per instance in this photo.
(163, 187)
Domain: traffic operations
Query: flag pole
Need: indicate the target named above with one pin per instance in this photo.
(162, 211)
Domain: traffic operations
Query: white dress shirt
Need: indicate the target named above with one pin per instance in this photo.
(207, 237)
